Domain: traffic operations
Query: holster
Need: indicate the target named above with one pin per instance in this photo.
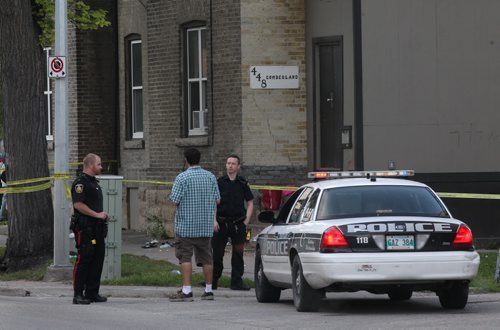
(73, 224)
(78, 223)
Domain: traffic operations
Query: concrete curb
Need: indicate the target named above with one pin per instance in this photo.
(63, 289)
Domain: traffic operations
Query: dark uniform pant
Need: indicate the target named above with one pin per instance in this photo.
(88, 267)
(236, 230)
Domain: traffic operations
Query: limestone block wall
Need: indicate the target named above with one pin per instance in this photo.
(274, 121)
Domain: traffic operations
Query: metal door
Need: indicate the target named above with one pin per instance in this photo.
(328, 103)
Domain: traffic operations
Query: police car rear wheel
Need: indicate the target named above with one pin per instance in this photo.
(455, 297)
(305, 298)
(264, 291)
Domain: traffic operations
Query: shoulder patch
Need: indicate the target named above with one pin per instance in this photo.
(79, 188)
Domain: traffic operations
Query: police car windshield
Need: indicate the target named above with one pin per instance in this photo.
(369, 201)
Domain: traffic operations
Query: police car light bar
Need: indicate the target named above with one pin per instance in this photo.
(360, 174)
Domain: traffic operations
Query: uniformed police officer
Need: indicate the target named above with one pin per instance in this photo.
(233, 219)
(90, 231)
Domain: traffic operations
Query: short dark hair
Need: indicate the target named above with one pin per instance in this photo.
(234, 156)
(192, 156)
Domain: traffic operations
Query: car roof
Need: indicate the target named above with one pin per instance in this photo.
(358, 182)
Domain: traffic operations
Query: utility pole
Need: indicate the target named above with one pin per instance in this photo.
(61, 202)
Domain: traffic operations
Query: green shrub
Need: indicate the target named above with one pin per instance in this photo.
(155, 227)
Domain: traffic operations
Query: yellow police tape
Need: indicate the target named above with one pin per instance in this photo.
(467, 195)
(290, 188)
(148, 182)
(81, 163)
(65, 177)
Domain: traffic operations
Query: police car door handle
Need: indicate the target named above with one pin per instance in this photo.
(276, 234)
(289, 235)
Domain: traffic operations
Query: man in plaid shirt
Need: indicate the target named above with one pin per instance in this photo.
(196, 195)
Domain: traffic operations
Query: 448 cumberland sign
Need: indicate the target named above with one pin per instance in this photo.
(274, 77)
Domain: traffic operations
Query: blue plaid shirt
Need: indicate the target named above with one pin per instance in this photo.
(196, 193)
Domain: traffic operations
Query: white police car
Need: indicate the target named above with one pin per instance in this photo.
(364, 231)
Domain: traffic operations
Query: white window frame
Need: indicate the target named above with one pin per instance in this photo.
(135, 133)
(202, 129)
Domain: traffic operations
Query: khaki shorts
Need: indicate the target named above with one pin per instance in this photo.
(184, 247)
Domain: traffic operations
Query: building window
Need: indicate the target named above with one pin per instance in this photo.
(135, 104)
(196, 69)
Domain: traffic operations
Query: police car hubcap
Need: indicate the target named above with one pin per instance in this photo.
(297, 282)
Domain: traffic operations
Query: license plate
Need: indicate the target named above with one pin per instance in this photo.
(400, 242)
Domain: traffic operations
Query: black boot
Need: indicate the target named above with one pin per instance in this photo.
(80, 300)
(97, 298)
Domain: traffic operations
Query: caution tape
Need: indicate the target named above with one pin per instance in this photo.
(289, 188)
(29, 189)
(20, 182)
(65, 177)
(149, 182)
(467, 195)
(14, 189)
(81, 163)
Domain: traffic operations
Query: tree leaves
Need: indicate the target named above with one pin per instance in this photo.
(79, 13)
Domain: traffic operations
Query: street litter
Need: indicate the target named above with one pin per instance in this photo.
(150, 244)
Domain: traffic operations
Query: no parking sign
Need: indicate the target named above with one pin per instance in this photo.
(57, 66)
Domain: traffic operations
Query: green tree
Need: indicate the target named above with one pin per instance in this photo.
(25, 25)
(79, 13)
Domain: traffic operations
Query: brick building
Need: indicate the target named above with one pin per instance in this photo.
(193, 58)
(379, 82)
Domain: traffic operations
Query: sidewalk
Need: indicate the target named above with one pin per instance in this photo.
(132, 243)
(65, 289)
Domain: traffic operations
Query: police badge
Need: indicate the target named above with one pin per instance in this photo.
(79, 188)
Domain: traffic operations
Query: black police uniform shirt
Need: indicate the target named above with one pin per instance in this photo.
(86, 189)
(233, 194)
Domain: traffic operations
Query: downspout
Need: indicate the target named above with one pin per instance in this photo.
(358, 87)
(212, 77)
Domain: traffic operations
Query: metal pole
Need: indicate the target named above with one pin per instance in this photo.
(48, 92)
(497, 271)
(61, 202)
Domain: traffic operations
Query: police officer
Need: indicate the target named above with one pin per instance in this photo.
(232, 219)
(90, 229)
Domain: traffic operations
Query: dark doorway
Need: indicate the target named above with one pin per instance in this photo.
(328, 103)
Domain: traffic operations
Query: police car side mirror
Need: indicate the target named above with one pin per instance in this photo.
(267, 217)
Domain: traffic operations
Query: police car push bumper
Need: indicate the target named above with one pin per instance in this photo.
(322, 270)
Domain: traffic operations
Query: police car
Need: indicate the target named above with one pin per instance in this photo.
(364, 231)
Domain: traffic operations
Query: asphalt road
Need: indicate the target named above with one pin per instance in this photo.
(49, 307)
(340, 311)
